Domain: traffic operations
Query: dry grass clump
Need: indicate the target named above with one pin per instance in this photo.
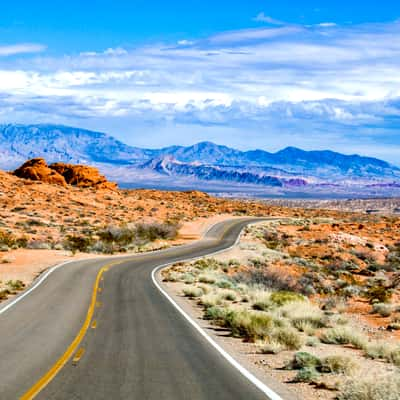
(211, 300)
(303, 312)
(338, 364)
(383, 351)
(288, 338)
(209, 278)
(383, 309)
(193, 292)
(250, 325)
(385, 387)
(344, 335)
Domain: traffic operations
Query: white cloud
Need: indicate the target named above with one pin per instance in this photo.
(185, 42)
(261, 17)
(327, 24)
(291, 77)
(21, 48)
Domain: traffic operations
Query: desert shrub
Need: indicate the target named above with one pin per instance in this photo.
(344, 335)
(224, 283)
(305, 326)
(7, 239)
(384, 310)
(338, 365)
(282, 297)
(250, 325)
(260, 299)
(288, 337)
(384, 351)
(268, 279)
(372, 388)
(303, 312)
(210, 300)
(39, 245)
(207, 278)
(306, 375)
(272, 347)
(378, 293)
(76, 243)
(215, 313)
(193, 292)
(122, 235)
(4, 294)
(271, 239)
(229, 295)
(156, 230)
(303, 359)
(171, 276)
(15, 285)
(312, 341)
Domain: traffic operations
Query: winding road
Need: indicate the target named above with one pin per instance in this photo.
(101, 329)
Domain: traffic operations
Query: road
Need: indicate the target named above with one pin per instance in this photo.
(137, 346)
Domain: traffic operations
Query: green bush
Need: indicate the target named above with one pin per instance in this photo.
(306, 375)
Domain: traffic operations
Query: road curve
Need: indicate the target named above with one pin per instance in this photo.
(139, 347)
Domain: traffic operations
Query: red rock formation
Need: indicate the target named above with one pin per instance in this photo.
(82, 176)
(63, 174)
(38, 170)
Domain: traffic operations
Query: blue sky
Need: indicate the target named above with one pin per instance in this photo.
(264, 74)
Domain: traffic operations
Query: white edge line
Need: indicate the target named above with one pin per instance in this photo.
(247, 374)
(39, 282)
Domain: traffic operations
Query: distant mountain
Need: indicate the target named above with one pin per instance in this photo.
(171, 167)
(205, 161)
(61, 143)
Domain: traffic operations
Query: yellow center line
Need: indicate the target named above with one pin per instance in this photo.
(55, 369)
(78, 356)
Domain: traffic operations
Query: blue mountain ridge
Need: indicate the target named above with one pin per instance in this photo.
(205, 161)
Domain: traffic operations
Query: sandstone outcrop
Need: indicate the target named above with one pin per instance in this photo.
(82, 176)
(38, 170)
(63, 174)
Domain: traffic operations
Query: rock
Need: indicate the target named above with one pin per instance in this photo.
(38, 170)
(83, 176)
(63, 174)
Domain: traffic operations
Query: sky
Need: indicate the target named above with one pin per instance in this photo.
(254, 74)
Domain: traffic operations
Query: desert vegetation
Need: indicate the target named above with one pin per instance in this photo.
(318, 296)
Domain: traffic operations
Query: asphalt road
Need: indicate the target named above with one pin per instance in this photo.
(141, 347)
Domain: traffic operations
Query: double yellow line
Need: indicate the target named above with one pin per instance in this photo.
(55, 369)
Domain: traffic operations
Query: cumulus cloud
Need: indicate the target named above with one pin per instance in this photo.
(318, 79)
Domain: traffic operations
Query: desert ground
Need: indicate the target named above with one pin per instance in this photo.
(310, 302)
(310, 298)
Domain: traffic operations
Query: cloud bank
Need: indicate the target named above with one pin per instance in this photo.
(316, 86)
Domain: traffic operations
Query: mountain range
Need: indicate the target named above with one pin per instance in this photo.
(204, 164)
